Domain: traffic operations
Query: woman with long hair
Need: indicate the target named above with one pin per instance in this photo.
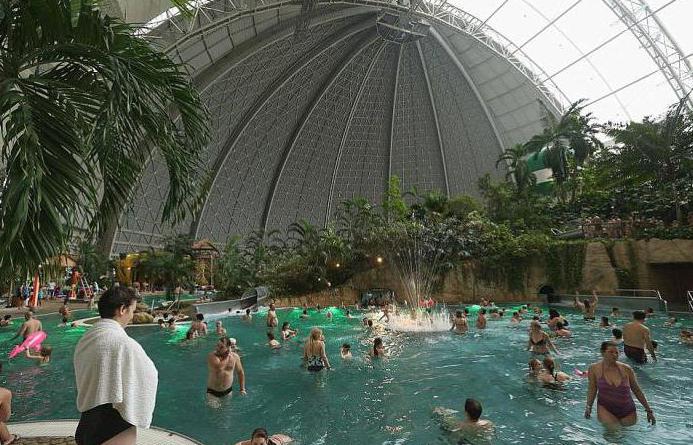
(314, 351)
(539, 341)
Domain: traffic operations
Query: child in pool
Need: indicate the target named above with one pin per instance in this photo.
(44, 355)
(345, 352)
(272, 342)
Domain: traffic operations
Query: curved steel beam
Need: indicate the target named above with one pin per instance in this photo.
(392, 121)
(442, 41)
(367, 41)
(658, 43)
(435, 117)
(260, 102)
(346, 132)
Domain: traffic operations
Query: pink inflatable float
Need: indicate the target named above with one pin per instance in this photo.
(33, 341)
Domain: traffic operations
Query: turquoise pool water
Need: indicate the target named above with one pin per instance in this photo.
(383, 402)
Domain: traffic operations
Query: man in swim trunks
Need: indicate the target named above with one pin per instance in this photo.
(459, 323)
(636, 337)
(260, 437)
(587, 306)
(30, 326)
(272, 320)
(221, 365)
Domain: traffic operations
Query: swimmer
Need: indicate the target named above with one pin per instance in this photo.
(272, 342)
(481, 319)
(561, 331)
(63, 323)
(260, 437)
(617, 336)
(348, 314)
(494, 314)
(160, 322)
(686, 336)
(5, 321)
(272, 320)
(671, 322)
(472, 418)
(198, 327)
(550, 374)
(459, 323)
(649, 312)
(345, 352)
(305, 314)
(44, 355)
(221, 364)
(30, 326)
(539, 341)
(515, 319)
(615, 312)
(287, 332)
(613, 382)
(314, 355)
(246, 316)
(534, 369)
(378, 348)
(587, 306)
(220, 329)
(636, 337)
(386, 314)
(604, 323)
(233, 346)
(64, 310)
(171, 324)
(328, 315)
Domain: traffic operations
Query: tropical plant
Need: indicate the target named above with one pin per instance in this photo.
(84, 105)
(518, 169)
(569, 142)
(93, 265)
(658, 152)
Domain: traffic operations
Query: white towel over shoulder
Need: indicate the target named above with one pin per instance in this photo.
(111, 367)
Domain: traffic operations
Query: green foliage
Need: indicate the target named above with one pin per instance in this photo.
(394, 207)
(85, 104)
(564, 262)
(93, 265)
(170, 267)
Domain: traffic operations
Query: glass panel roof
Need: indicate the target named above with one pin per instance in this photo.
(589, 52)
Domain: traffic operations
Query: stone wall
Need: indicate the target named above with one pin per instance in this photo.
(666, 265)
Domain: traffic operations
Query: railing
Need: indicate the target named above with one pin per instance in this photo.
(689, 296)
(651, 293)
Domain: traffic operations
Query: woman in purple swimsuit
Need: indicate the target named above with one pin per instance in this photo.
(613, 381)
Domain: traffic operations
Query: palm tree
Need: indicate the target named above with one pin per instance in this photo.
(518, 169)
(85, 104)
(569, 142)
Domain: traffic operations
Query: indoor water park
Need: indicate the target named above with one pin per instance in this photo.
(312, 222)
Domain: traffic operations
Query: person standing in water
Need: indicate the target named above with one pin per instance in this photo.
(314, 354)
(459, 323)
(587, 306)
(481, 319)
(612, 382)
(221, 364)
(30, 326)
(636, 337)
(272, 320)
(539, 341)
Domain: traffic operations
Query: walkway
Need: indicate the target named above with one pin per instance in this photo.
(62, 433)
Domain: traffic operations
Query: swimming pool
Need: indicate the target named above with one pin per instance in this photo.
(382, 402)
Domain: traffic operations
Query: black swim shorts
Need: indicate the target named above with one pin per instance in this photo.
(99, 425)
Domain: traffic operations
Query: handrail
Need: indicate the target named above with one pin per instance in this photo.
(655, 292)
(689, 295)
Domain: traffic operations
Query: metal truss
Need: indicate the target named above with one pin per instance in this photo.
(659, 44)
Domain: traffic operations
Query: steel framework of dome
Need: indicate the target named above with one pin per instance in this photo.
(314, 102)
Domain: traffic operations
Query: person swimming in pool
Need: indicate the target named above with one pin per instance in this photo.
(44, 355)
(221, 365)
(314, 355)
(605, 323)
(246, 316)
(612, 382)
(378, 348)
(287, 332)
(561, 331)
(260, 437)
(587, 306)
(515, 319)
(539, 341)
(272, 342)
(550, 373)
(481, 319)
(535, 369)
(220, 329)
(636, 337)
(615, 313)
(617, 336)
(197, 328)
(472, 427)
(272, 320)
(459, 323)
(345, 351)
(304, 314)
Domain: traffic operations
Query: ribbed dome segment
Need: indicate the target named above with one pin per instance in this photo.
(301, 122)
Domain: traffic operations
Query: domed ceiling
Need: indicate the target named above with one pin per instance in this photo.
(312, 104)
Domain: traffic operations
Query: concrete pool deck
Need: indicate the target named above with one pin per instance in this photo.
(62, 432)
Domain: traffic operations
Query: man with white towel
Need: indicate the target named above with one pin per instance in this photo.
(116, 380)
